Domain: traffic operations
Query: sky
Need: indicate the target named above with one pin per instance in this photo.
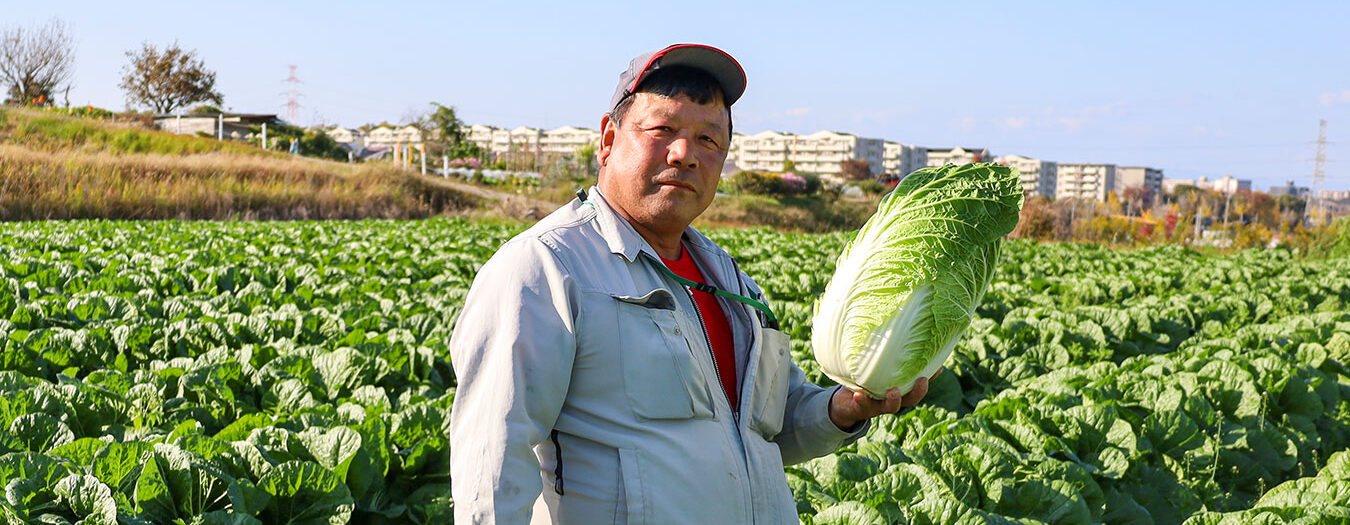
(1195, 88)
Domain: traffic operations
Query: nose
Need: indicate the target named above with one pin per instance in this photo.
(678, 154)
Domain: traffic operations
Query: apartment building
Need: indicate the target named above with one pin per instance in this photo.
(1290, 189)
(902, 159)
(389, 136)
(763, 151)
(1038, 176)
(1226, 184)
(519, 139)
(567, 140)
(944, 156)
(820, 152)
(354, 139)
(1085, 181)
(1148, 179)
(1334, 195)
(481, 136)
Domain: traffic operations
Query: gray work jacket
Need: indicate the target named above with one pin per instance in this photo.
(588, 393)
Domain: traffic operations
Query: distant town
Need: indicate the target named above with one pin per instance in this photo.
(823, 153)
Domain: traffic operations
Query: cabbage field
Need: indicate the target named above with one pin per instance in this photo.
(247, 373)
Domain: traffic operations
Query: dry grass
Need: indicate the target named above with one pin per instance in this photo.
(62, 167)
(812, 214)
(37, 185)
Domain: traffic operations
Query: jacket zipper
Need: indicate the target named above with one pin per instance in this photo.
(735, 411)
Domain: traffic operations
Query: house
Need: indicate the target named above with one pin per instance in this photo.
(236, 126)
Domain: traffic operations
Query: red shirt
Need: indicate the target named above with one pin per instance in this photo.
(714, 324)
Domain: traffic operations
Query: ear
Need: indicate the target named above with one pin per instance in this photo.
(608, 128)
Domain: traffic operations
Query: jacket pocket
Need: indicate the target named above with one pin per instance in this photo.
(634, 492)
(660, 375)
(771, 383)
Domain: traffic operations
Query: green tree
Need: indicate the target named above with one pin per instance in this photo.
(449, 131)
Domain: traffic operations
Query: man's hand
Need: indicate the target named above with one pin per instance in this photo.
(848, 408)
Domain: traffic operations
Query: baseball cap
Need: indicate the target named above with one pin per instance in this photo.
(715, 62)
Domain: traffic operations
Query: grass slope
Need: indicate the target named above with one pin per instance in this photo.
(60, 167)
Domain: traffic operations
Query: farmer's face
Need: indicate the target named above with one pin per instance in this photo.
(661, 165)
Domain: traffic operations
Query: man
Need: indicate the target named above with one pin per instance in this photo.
(614, 365)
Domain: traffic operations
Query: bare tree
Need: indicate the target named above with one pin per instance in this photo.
(855, 169)
(36, 64)
(167, 80)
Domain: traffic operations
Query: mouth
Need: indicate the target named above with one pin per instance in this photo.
(678, 184)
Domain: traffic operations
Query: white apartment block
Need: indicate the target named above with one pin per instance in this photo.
(763, 151)
(567, 140)
(481, 136)
(820, 152)
(520, 139)
(353, 138)
(1085, 181)
(1150, 179)
(938, 157)
(498, 141)
(1227, 184)
(1038, 176)
(389, 136)
(1334, 195)
(902, 159)
(1224, 184)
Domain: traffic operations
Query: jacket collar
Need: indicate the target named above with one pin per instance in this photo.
(619, 235)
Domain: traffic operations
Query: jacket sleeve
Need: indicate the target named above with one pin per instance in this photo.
(807, 430)
(512, 351)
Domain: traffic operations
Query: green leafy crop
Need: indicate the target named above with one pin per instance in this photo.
(908, 284)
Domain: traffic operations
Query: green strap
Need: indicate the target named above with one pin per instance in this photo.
(707, 288)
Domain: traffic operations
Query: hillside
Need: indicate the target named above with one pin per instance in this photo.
(64, 167)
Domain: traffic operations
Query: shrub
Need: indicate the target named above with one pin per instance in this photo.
(775, 184)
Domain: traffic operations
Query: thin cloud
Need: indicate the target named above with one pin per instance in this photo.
(1070, 120)
(1334, 99)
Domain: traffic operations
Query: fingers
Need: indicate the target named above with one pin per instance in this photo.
(916, 394)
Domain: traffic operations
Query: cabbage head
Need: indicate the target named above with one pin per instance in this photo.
(906, 287)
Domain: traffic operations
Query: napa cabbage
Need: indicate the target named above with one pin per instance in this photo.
(906, 287)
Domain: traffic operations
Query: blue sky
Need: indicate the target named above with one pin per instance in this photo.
(1194, 88)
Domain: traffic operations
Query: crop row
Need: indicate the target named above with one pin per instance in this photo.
(272, 372)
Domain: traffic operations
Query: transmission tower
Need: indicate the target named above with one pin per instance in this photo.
(292, 97)
(1319, 170)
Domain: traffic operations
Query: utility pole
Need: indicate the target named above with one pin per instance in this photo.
(292, 97)
(1319, 173)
